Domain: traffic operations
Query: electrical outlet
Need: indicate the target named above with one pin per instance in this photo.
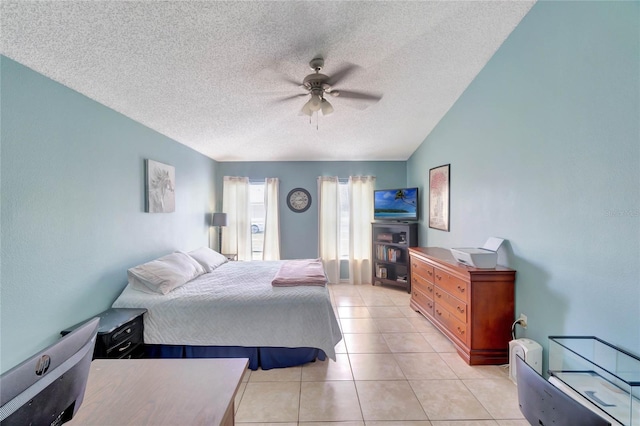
(523, 320)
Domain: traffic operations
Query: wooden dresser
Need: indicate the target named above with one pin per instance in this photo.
(473, 307)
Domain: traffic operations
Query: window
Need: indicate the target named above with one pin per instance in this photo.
(257, 215)
(344, 219)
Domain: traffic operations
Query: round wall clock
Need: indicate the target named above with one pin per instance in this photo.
(299, 200)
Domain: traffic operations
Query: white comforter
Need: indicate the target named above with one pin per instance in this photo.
(236, 305)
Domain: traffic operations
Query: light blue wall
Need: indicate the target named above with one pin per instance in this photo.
(72, 215)
(544, 148)
(299, 231)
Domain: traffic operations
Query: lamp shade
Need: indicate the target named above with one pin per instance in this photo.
(327, 108)
(219, 219)
(306, 109)
(315, 102)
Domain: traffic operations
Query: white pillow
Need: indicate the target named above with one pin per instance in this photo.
(209, 259)
(136, 284)
(166, 273)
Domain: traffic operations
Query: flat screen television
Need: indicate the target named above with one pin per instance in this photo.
(48, 387)
(399, 204)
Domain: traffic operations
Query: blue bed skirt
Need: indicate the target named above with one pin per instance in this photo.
(265, 358)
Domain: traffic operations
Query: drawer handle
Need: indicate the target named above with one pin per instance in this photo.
(430, 289)
(429, 273)
(438, 312)
(461, 331)
(461, 310)
(125, 331)
(438, 277)
(461, 289)
(438, 295)
(125, 347)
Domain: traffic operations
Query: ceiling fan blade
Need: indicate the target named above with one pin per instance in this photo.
(357, 95)
(343, 72)
(290, 81)
(357, 100)
(288, 98)
(272, 75)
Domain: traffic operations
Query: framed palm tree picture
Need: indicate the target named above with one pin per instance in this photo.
(439, 197)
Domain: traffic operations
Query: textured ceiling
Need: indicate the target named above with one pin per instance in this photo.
(208, 74)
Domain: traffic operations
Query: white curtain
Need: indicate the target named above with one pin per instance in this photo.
(329, 226)
(271, 247)
(360, 218)
(236, 237)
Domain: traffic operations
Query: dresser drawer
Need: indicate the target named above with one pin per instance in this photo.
(421, 268)
(421, 284)
(424, 301)
(456, 307)
(452, 285)
(451, 323)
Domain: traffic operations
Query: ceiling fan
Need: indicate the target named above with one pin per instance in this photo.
(318, 85)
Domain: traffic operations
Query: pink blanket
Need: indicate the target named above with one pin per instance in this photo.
(300, 272)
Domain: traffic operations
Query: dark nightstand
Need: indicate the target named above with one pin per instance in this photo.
(120, 334)
(230, 256)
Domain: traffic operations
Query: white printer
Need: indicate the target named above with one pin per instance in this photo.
(485, 257)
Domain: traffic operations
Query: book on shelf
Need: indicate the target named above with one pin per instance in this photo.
(388, 254)
(381, 271)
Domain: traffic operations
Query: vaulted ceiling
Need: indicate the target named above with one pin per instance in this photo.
(211, 75)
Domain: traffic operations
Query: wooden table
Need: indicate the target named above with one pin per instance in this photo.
(161, 392)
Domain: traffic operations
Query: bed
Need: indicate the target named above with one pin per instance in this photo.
(235, 311)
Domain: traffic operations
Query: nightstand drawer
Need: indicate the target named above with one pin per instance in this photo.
(120, 333)
(126, 349)
(131, 331)
(123, 339)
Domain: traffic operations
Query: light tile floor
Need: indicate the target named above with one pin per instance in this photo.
(392, 368)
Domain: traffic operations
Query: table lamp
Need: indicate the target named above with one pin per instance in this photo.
(219, 220)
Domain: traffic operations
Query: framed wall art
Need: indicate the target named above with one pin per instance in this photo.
(160, 187)
(439, 197)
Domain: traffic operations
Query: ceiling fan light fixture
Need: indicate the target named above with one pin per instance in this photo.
(318, 86)
(326, 107)
(315, 102)
(306, 109)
